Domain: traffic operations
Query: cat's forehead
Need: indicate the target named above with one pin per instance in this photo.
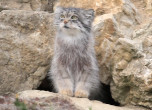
(70, 11)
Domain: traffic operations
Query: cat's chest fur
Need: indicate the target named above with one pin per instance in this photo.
(71, 42)
(74, 70)
(72, 50)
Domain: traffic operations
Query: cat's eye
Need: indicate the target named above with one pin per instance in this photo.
(62, 17)
(74, 17)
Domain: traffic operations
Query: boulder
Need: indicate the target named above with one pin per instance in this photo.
(26, 39)
(58, 102)
(100, 7)
(29, 5)
(108, 28)
(132, 71)
(42, 5)
(15, 5)
(148, 4)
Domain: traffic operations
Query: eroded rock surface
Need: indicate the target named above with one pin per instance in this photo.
(108, 28)
(26, 40)
(148, 4)
(132, 73)
(76, 103)
(30, 5)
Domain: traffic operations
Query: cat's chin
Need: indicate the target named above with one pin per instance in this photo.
(66, 27)
(70, 31)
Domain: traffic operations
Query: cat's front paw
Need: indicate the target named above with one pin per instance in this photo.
(81, 94)
(66, 92)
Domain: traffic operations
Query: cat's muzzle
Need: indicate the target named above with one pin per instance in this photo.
(65, 26)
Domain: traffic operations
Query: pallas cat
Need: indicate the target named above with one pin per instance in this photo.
(74, 69)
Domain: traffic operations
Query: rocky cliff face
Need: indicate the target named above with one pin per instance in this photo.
(30, 5)
(132, 78)
(26, 40)
(123, 33)
(44, 100)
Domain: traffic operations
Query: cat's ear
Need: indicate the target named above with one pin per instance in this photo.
(58, 9)
(89, 16)
(90, 12)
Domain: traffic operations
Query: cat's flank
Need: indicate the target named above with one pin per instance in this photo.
(74, 69)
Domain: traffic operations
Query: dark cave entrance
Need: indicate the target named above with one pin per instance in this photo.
(106, 97)
(46, 85)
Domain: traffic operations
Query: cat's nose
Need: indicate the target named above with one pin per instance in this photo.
(65, 21)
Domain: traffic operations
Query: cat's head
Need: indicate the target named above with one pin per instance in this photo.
(74, 19)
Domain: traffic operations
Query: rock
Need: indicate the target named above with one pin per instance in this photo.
(132, 84)
(15, 5)
(26, 40)
(106, 33)
(100, 7)
(124, 55)
(42, 5)
(56, 101)
(108, 28)
(148, 4)
(29, 5)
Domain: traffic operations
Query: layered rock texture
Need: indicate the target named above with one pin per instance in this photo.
(148, 4)
(123, 33)
(132, 71)
(108, 28)
(26, 40)
(30, 5)
(59, 102)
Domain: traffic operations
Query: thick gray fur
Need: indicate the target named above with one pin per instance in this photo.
(74, 69)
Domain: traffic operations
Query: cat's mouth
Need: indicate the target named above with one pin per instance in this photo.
(65, 26)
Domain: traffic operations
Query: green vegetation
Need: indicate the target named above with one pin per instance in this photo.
(90, 108)
(20, 105)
